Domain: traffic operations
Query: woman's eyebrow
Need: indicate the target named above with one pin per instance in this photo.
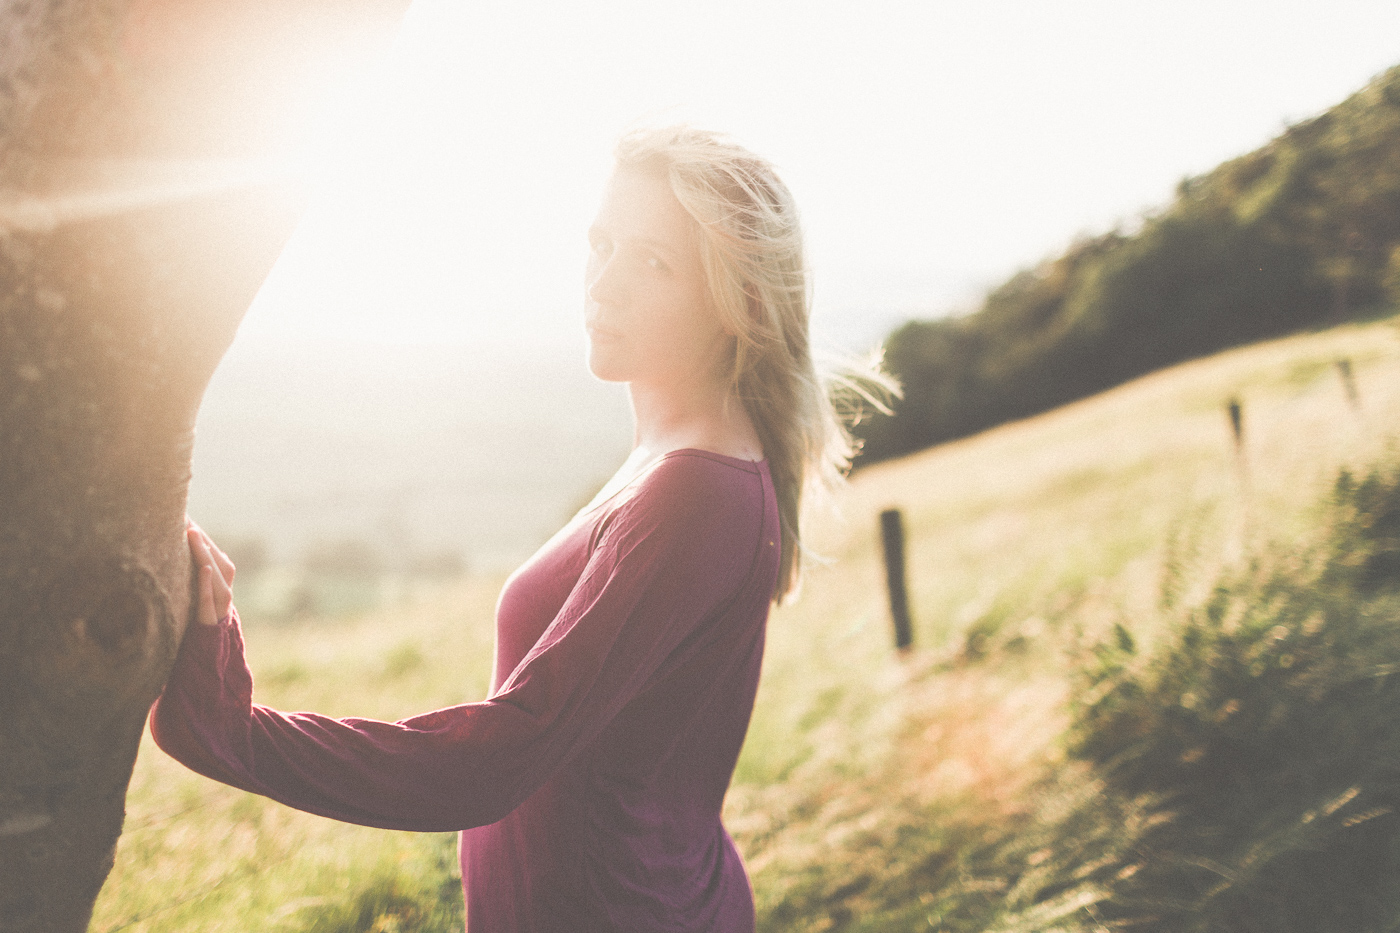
(660, 246)
(672, 250)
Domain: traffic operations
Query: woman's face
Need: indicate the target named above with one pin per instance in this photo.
(646, 306)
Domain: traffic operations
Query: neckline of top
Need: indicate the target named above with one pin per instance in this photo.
(704, 453)
(736, 462)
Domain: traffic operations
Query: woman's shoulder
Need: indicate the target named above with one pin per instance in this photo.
(712, 513)
(699, 470)
(700, 484)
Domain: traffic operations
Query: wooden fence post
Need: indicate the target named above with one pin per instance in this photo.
(1235, 411)
(1349, 383)
(892, 536)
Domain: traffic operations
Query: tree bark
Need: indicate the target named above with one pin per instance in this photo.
(130, 248)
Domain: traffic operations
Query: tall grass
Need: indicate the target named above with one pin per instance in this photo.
(197, 856)
(942, 791)
(989, 779)
(1261, 743)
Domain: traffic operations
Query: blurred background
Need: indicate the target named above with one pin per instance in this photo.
(1138, 266)
(408, 391)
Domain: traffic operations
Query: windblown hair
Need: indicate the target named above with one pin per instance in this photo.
(752, 253)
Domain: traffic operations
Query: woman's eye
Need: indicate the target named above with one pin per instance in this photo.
(600, 245)
(657, 264)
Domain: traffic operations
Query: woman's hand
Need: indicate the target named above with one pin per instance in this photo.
(215, 575)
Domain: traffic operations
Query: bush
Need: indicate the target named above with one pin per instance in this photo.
(1261, 746)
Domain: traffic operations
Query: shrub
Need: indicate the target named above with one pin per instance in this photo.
(1261, 745)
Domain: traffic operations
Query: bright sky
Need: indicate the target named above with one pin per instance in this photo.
(934, 147)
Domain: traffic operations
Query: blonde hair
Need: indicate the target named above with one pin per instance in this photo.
(752, 253)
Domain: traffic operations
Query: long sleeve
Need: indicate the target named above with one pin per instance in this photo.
(663, 564)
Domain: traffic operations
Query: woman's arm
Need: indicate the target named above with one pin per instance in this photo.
(668, 561)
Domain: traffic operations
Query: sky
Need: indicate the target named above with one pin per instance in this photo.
(934, 148)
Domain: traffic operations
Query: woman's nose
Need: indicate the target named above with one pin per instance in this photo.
(603, 285)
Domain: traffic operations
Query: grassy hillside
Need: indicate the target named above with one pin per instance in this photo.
(1302, 232)
(932, 790)
(885, 790)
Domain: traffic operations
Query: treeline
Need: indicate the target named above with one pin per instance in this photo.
(1300, 233)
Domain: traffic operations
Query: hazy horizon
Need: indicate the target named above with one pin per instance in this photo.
(934, 148)
(415, 448)
(413, 369)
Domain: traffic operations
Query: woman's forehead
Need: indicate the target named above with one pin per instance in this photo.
(639, 203)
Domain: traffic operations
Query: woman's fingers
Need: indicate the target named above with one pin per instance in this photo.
(207, 615)
(221, 560)
(225, 565)
(215, 594)
(220, 579)
(223, 594)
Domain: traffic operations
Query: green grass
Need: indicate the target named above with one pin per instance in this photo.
(197, 856)
(877, 791)
(938, 788)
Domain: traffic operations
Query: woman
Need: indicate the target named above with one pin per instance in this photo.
(588, 786)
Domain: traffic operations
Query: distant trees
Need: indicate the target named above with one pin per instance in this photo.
(1302, 232)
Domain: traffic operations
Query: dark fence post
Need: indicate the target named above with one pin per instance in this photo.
(892, 535)
(1349, 383)
(1235, 411)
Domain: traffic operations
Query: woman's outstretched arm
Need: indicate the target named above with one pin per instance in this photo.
(684, 549)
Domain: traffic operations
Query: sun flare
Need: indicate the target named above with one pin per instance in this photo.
(423, 222)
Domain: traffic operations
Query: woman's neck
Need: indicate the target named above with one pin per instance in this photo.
(704, 416)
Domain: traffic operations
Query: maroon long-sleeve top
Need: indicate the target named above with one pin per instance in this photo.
(588, 786)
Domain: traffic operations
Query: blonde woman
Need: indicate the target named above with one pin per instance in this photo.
(588, 785)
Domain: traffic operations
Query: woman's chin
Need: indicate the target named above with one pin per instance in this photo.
(604, 368)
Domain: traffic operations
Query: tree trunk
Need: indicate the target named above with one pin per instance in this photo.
(127, 259)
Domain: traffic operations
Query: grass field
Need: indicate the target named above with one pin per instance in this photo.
(872, 782)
